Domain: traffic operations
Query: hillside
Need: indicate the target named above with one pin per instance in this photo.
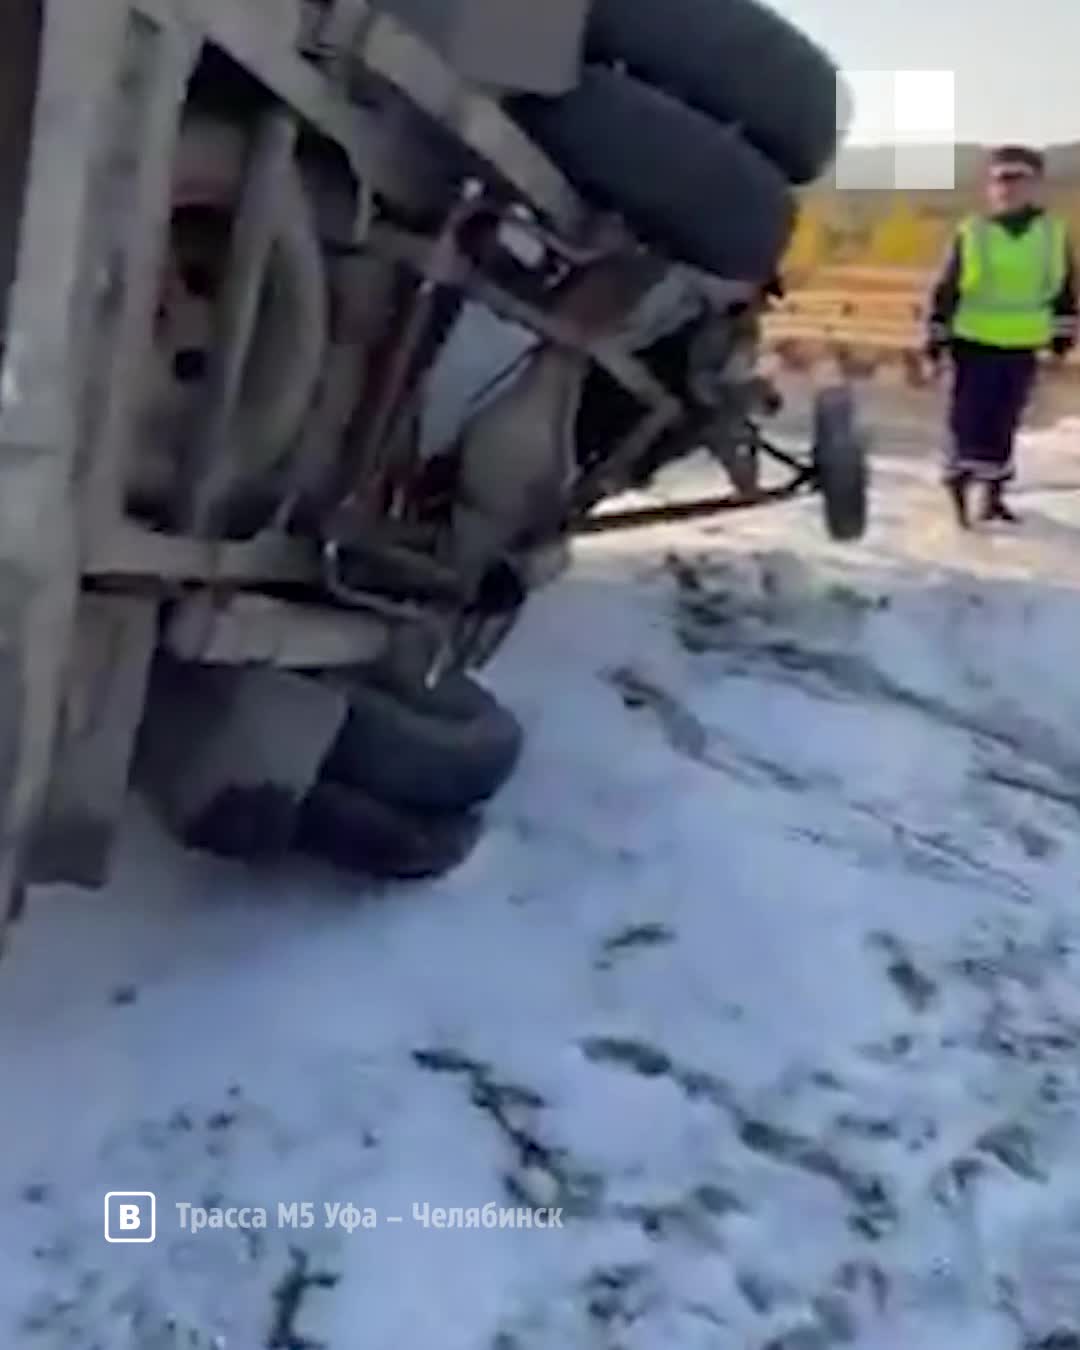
(874, 164)
(849, 224)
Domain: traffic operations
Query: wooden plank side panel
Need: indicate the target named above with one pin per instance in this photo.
(48, 340)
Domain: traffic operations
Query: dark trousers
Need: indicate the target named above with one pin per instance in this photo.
(990, 391)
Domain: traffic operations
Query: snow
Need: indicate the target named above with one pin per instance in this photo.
(765, 972)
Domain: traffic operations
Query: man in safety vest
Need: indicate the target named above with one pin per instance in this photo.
(1007, 292)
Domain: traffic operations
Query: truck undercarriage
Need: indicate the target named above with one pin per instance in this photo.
(246, 239)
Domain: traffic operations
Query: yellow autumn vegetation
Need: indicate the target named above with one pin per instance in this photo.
(894, 230)
(904, 238)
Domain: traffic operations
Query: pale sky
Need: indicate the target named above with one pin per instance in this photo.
(1016, 62)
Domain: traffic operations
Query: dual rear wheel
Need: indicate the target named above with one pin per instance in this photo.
(402, 790)
(693, 121)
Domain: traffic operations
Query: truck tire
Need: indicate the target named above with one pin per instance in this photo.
(443, 749)
(692, 188)
(737, 61)
(356, 833)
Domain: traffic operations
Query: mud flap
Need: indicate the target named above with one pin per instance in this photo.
(50, 337)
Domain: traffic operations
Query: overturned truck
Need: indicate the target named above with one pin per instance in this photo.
(325, 325)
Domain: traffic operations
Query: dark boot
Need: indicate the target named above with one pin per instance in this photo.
(994, 507)
(958, 494)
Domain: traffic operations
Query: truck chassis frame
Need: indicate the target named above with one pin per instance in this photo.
(82, 583)
(111, 81)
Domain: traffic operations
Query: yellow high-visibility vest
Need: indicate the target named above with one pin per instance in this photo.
(1008, 282)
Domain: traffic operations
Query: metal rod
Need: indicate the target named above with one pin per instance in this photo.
(759, 442)
(384, 419)
(674, 512)
(414, 251)
(351, 598)
(578, 255)
(596, 483)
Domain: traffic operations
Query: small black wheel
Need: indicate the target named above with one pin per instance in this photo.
(840, 464)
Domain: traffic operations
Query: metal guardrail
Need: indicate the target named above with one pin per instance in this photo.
(878, 278)
(855, 311)
(854, 304)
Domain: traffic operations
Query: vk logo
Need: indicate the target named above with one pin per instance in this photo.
(130, 1216)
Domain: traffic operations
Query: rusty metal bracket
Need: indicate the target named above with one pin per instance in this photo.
(607, 477)
(386, 414)
(416, 252)
(803, 477)
(671, 513)
(662, 409)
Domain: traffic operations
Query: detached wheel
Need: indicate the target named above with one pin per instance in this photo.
(736, 60)
(353, 831)
(840, 464)
(694, 188)
(441, 750)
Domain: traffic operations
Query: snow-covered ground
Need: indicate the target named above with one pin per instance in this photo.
(766, 974)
